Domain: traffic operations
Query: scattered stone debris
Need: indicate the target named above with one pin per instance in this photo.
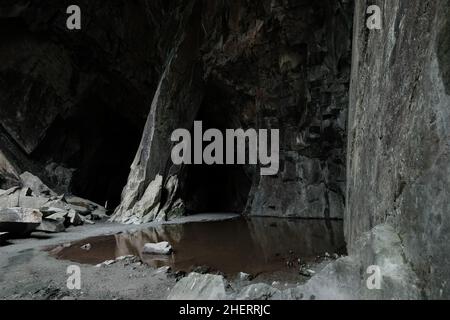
(128, 259)
(33, 206)
(106, 263)
(162, 248)
(51, 226)
(36, 185)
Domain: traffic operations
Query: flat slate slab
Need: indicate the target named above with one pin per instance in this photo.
(19, 221)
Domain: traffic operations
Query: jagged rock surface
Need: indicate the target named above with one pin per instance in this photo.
(399, 134)
(269, 64)
(71, 100)
(199, 287)
(278, 65)
(34, 206)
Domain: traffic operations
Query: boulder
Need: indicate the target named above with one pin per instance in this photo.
(59, 203)
(83, 211)
(31, 202)
(74, 218)
(346, 278)
(51, 226)
(10, 198)
(86, 204)
(2, 192)
(199, 287)
(16, 197)
(81, 206)
(68, 218)
(26, 192)
(19, 221)
(36, 185)
(9, 191)
(49, 211)
(163, 248)
(58, 216)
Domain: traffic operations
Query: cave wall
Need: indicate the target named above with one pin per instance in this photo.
(398, 145)
(275, 65)
(73, 104)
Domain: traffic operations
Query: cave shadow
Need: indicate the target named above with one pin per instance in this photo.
(99, 142)
(216, 188)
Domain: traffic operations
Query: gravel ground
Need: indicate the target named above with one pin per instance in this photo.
(28, 272)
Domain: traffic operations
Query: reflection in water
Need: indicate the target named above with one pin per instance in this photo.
(254, 245)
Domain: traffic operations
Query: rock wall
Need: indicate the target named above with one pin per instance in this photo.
(74, 103)
(77, 101)
(271, 64)
(399, 134)
(9, 176)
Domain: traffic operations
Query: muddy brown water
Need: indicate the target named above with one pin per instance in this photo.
(255, 246)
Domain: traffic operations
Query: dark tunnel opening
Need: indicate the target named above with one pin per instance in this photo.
(217, 188)
(99, 143)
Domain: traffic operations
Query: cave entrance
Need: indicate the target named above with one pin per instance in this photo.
(217, 188)
(98, 140)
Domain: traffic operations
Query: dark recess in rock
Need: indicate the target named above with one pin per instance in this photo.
(73, 104)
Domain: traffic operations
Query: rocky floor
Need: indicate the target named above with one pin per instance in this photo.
(38, 222)
(30, 272)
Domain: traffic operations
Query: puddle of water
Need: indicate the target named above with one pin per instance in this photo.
(256, 245)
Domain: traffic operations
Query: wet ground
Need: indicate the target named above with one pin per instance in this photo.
(255, 246)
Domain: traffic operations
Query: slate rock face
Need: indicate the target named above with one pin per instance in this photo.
(9, 176)
(75, 104)
(270, 65)
(76, 101)
(398, 148)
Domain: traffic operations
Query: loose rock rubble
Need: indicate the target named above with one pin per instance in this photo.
(33, 206)
(127, 260)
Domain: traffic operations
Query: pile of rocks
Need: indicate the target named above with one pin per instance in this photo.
(32, 206)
